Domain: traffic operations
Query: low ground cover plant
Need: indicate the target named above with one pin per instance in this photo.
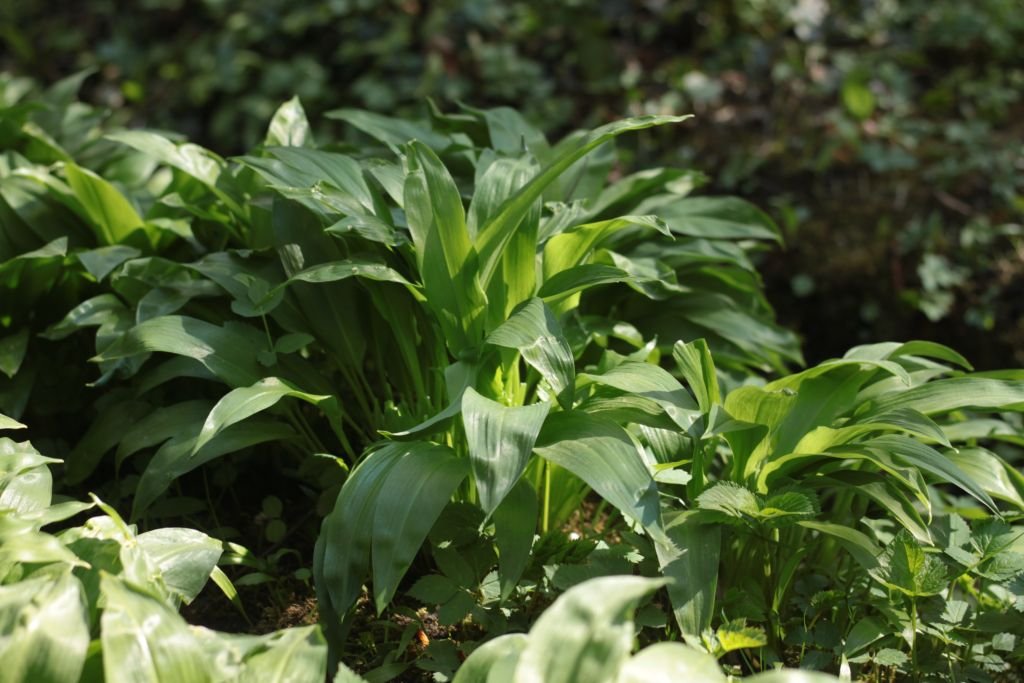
(489, 375)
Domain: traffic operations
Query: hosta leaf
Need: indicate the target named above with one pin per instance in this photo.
(102, 261)
(500, 440)
(578, 278)
(792, 676)
(185, 558)
(244, 402)
(906, 567)
(146, 641)
(228, 352)
(12, 351)
(515, 521)
(690, 558)
(671, 663)
(160, 425)
(535, 332)
(289, 127)
(586, 634)
(417, 488)
(103, 434)
(393, 132)
(44, 630)
(316, 178)
(886, 350)
(601, 453)
(493, 656)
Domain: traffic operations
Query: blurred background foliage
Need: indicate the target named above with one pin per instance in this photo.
(886, 136)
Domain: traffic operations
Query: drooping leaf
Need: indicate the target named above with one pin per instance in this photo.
(244, 402)
(185, 558)
(652, 382)
(601, 453)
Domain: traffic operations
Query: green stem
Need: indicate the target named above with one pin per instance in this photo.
(547, 498)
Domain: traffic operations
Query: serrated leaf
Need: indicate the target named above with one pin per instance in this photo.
(736, 635)
(905, 566)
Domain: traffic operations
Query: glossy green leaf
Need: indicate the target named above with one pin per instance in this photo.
(601, 453)
(587, 634)
(860, 547)
(13, 348)
(245, 402)
(292, 654)
(500, 440)
(690, 557)
(417, 488)
(44, 630)
(944, 395)
(145, 641)
(991, 473)
(486, 661)
(9, 423)
(652, 382)
(698, 369)
(185, 558)
(289, 126)
(515, 521)
(492, 238)
(719, 218)
(536, 333)
(228, 351)
(346, 536)
(111, 215)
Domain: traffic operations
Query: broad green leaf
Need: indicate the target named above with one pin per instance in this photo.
(193, 160)
(108, 211)
(991, 473)
(954, 393)
(486, 660)
(515, 521)
(671, 663)
(325, 182)
(719, 218)
(160, 425)
(176, 458)
(902, 420)
(292, 654)
(690, 557)
(346, 535)
(601, 453)
(417, 488)
(536, 333)
(500, 440)
(185, 558)
(652, 382)
(103, 434)
(13, 348)
(289, 127)
(26, 485)
(445, 255)
(698, 369)
(906, 567)
(586, 635)
(887, 350)
(792, 676)
(492, 238)
(44, 630)
(144, 640)
(244, 402)
(102, 261)
(579, 278)
(99, 310)
(229, 352)
(930, 460)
